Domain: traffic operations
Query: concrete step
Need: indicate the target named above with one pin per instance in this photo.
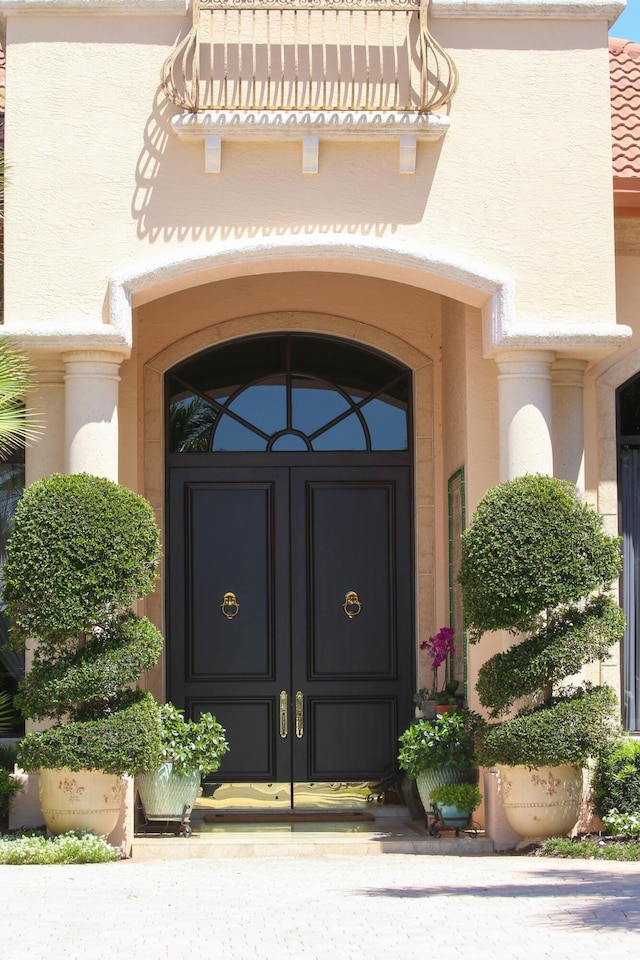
(383, 836)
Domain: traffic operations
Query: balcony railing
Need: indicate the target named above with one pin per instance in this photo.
(310, 55)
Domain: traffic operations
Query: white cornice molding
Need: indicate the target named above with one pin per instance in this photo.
(93, 8)
(608, 10)
(447, 272)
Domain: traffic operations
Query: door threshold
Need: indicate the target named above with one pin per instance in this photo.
(291, 816)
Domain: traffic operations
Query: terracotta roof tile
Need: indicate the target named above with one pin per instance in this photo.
(624, 64)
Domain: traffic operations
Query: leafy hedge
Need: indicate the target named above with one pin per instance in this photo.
(616, 779)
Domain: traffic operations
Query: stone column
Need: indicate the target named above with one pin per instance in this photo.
(46, 400)
(524, 412)
(567, 382)
(91, 412)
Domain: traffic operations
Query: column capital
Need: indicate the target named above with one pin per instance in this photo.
(524, 362)
(92, 356)
(568, 372)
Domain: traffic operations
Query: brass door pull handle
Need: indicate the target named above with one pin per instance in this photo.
(230, 606)
(299, 714)
(284, 710)
(351, 605)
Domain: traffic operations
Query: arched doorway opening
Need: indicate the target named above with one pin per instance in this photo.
(628, 430)
(290, 563)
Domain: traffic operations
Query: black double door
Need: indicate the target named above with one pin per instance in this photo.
(290, 618)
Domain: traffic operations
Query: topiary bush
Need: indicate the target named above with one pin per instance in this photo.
(536, 560)
(82, 550)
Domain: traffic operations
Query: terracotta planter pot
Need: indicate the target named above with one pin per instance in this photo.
(543, 802)
(80, 800)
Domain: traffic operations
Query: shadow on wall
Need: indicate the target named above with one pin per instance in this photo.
(261, 190)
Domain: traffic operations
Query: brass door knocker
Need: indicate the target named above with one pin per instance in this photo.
(351, 605)
(230, 606)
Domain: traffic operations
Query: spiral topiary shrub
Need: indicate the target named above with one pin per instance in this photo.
(82, 550)
(536, 560)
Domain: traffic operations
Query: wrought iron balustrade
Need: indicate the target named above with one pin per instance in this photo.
(309, 55)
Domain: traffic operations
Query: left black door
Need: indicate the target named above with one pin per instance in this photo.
(229, 534)
(309, 687)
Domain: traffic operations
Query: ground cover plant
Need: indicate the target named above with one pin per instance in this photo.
(34, 847)
(588, 848)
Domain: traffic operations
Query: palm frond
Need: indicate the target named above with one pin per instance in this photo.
(17, 423)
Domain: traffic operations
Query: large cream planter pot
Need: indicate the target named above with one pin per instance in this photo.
(543, 802)
(80, 800)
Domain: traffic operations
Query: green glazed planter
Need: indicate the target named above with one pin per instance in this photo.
(165, 794)
(454, 817)
(428, 780)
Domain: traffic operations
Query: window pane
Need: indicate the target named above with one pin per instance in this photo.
(387, 425)
(289, 441)
(346, 435)
(190, 422)
(630, 409)
(231, 435)
(264, 406)
(313, 406)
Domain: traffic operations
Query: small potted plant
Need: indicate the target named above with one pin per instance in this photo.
(439, 649)
(441, 751)
(455, 802)
(190, 750)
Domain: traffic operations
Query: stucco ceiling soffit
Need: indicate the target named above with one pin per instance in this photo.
(93, 8)
(608, 10)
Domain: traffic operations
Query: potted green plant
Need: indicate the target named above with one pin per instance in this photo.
(537, 562)
(190, 750)
(82, 550)
(441, 751)
(455, 802)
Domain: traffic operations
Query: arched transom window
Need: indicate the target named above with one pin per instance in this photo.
(290, 392)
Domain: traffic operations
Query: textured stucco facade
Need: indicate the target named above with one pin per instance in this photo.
(494, 272)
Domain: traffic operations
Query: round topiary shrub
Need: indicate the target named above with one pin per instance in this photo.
(82, 550)
(532, 545)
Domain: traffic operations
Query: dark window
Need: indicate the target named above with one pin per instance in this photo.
(11, 661)
(289, 392)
